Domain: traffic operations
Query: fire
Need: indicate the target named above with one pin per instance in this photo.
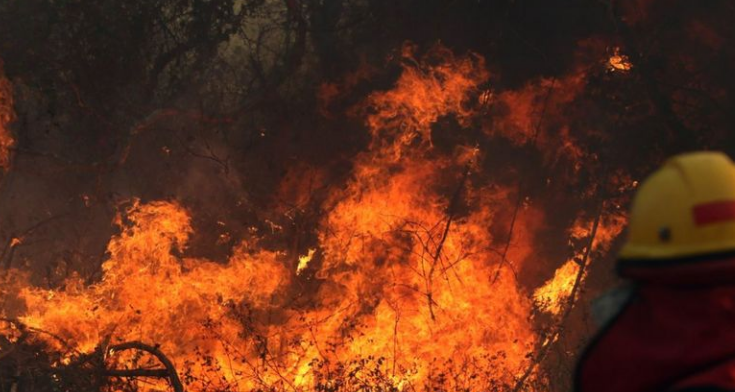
(183, 305)
(7, 116)
(619, 62)
(304, 261)
(404, 286)
(556, 292)
(552, 296)
(422, 95)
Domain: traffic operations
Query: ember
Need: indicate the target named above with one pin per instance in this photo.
(6, 117)
(619, 62)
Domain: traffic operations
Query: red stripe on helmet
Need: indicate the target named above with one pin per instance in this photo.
(719, 211)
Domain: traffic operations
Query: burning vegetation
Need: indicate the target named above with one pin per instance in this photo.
(256, 209)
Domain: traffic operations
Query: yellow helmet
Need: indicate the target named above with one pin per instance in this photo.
(685, 209)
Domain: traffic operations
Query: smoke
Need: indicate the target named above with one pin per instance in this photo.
(284, 213)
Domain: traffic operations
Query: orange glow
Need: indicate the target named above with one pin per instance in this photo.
(422, 95)
(15, 241)
(619, 62)
(304, 261)
(7, 115)
(554, 294)
(409, 284)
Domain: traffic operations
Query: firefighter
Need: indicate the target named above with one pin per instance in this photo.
(676, 330)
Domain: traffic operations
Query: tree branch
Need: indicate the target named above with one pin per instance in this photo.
(170, 370)
(579, 279)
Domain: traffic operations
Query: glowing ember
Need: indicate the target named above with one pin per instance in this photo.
(619, 62)
(7, 115)
(15, 241)
(304, 261)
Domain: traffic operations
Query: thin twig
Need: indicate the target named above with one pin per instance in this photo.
(436, 258)
(569, 305)
(10, 246)
(519, 199)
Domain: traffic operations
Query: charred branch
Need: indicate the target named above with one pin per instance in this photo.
(436, 257)
(551, 339)
(169, 371)
(136, 373)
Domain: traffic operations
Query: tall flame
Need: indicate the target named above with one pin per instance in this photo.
(406, 286)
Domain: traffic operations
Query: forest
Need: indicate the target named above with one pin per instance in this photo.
(332, 195)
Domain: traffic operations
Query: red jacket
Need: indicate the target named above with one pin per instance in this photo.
(670, 336)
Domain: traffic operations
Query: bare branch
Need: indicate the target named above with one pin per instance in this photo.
(172, 375)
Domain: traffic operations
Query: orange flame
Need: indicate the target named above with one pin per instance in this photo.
(408, 287)
(619, 62)
(555, 293)
(422, 95)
